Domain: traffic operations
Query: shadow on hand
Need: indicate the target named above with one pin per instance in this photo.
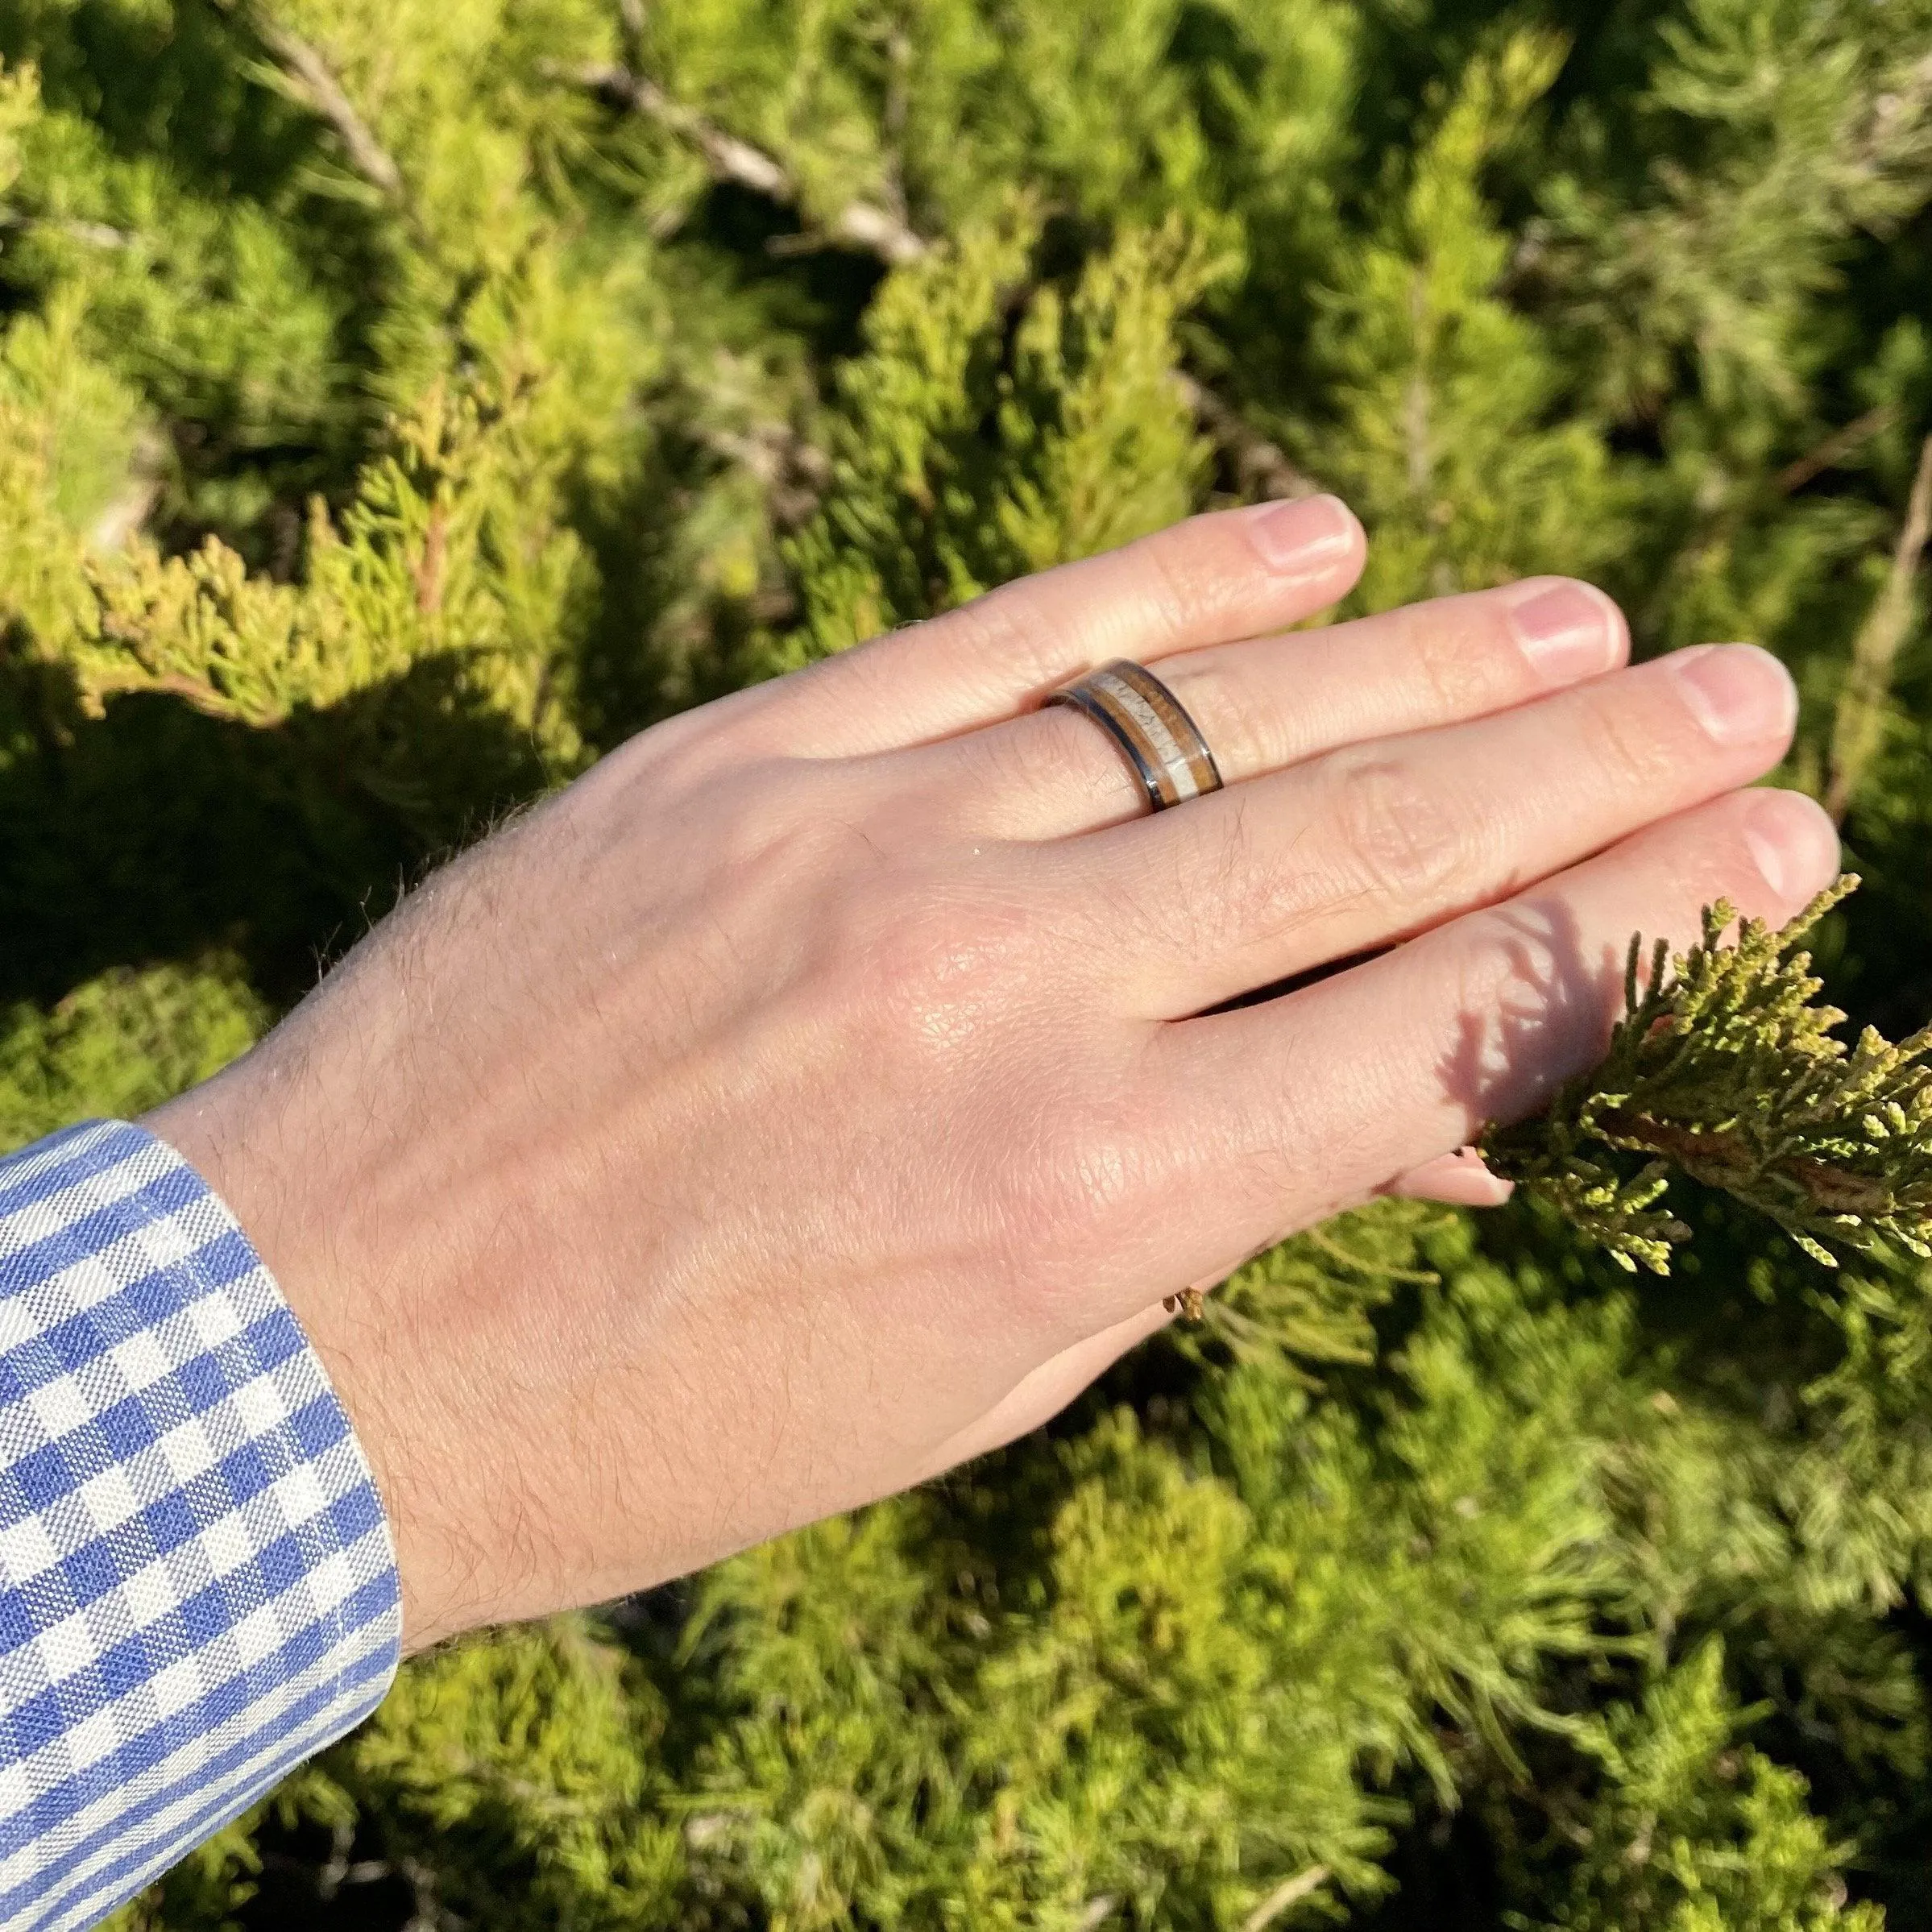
(1740, 1340)
(1551, 1019)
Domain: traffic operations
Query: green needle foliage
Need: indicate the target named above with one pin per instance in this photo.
(1725, 1065)
(402, 403)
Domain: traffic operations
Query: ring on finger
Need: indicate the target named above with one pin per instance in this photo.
(1151, 726)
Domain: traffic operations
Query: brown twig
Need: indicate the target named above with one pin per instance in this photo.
(197, 694)
(1261, 469)
(428, 570)
(1833, 449)
(1721, 517)
(314, 82)
(1289, 1892)
(1723, 1160)
(1857, 731)
(866, 226)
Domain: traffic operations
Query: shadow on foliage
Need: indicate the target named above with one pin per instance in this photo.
(157, 832)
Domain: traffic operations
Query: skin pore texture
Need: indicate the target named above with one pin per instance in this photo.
(831, 1082)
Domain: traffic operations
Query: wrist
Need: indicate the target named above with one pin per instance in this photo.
(237, 1131)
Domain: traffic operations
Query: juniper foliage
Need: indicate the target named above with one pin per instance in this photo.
(401, 404)
(1725, 1066)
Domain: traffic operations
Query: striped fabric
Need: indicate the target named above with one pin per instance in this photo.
(197, 1588)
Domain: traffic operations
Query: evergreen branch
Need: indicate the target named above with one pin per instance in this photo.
(868, 227)
(313, 80)
(630, 27)
(1857, 731)
(1725, 1067)
(1727, 508)
(91, 235)
(1319, 1237)
(1262, 470)
(1829, 453)
(1289, 1892)
(198, 694)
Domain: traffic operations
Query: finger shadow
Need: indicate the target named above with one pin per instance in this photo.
(1561, 995)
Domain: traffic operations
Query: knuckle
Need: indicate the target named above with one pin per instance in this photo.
(934, 965)
(770, 814)
(1070, 1189)
(905, 959)
(1396, 837)
(801, 848)
(875, 936)
(1462, 656)
(1620, 734)
(672, 758)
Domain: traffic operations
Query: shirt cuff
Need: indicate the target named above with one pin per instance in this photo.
(197, 1584)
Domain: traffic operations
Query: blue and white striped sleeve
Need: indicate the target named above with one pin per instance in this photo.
(197, 1587)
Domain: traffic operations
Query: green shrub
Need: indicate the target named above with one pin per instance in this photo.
(400, 403)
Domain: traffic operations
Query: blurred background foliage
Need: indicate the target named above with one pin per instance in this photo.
(401, 403)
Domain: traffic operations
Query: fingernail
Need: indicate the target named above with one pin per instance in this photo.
(1794, 843)
(1300, 537)
(1568, 631)
(1736, 691)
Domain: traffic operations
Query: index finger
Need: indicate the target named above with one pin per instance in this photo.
(1228, 574)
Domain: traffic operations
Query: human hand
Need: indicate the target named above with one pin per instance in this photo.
(826, 1086)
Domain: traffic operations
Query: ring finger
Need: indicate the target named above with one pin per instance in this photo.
(1274, 702)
